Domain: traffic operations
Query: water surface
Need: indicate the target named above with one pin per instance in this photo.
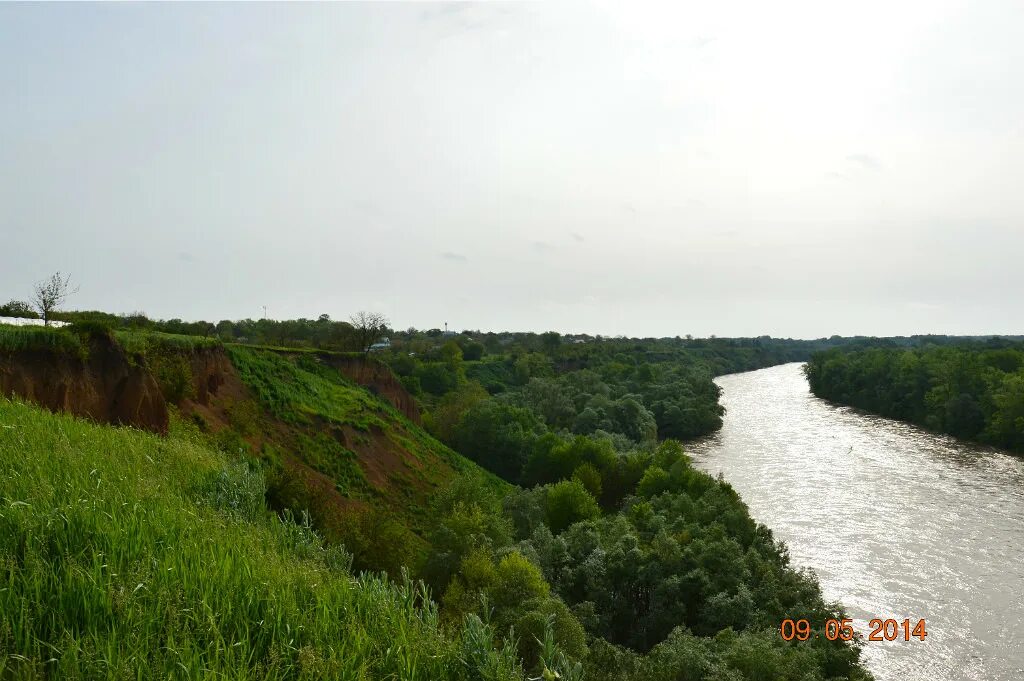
(896, 522)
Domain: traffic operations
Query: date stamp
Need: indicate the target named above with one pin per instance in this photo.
(842, 630)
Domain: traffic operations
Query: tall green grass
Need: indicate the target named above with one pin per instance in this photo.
(128, 556)
(69, 340)
(40, 339)
(298, 350)
(142, 342)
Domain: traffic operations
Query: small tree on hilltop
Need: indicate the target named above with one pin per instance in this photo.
(369, 326)
(50, 294)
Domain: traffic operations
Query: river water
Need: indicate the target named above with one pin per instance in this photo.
(896, 522)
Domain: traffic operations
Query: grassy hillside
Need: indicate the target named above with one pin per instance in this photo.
(332, 448)
(363, 471)
(127, 555)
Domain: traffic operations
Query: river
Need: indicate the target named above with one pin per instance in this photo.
(896, 522)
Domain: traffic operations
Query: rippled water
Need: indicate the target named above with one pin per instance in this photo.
(897, 522)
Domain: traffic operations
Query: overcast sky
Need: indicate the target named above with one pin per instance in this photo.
(764, 168)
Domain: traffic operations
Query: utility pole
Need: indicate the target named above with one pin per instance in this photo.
(264, 311)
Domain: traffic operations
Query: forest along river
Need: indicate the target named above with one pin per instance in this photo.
(896, 522)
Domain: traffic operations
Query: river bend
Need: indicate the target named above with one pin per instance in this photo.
(896, 522)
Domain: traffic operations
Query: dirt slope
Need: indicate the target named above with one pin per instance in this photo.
(104, 385)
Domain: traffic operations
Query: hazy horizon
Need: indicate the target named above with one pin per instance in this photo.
(793, 170)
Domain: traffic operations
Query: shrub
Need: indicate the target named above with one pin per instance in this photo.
(569, 502)
(18, 308)
(655, 481)
(498, 436)
(89, 328)
(590, 478)
(517, 580)
(173, 373)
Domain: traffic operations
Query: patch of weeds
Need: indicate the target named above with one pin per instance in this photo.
(173, 373)
(230, 441)
(244, 417)
(329, 457)
(238, 489)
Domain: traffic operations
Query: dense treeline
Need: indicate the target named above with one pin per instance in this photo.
(324, 332)
(973, 391)
(629, 391)
(673, 581)
(645, 567)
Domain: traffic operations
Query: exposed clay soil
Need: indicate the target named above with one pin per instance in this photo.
(217, 389)
(110, 388)
(380, 458)
(105, 387)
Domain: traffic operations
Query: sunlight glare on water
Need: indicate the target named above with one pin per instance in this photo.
(896, 522)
